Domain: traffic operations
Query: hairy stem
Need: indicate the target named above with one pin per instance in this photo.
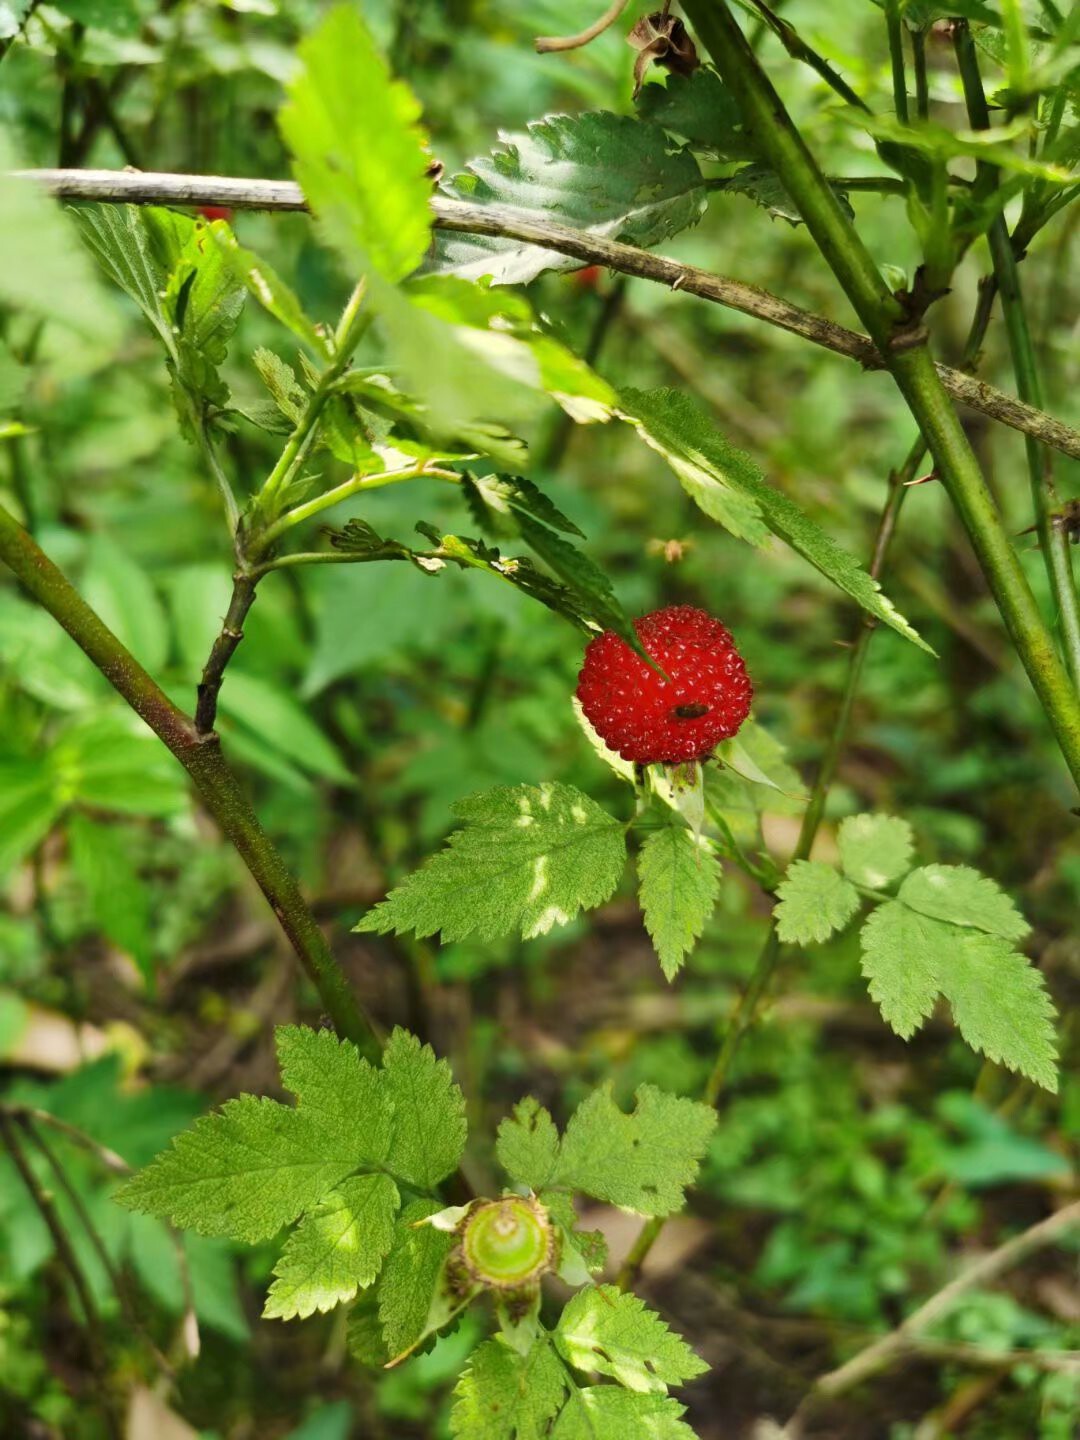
(201, 757)
(906, 356)
(120, 187)
(1053, 541)
(232, 632)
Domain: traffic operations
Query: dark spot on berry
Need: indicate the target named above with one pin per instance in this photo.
(690, 712)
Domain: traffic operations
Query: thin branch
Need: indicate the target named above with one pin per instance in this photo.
(121, 187)
(222, 651)
(201, 757)
(546, 44)
(905, 1337)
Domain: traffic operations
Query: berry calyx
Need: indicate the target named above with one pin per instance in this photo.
(507, 1243)
(650, 720)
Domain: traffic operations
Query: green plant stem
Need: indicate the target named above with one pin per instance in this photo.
(907, 358)
(201, 757)
(345, 491)
(1053, 541)
(922, 85)
(895, 27)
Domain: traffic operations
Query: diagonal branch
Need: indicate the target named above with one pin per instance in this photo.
(138, 188)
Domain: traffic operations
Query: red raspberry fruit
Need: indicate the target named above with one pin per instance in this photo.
(648, 719)
(215, 212)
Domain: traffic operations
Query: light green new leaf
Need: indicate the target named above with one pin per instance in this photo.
(204, 297)
(529, 857)
(900, 963)
(268, 288)
(42, 266)
(813, 902)
(608, 1412)
(963, 897)
(358, 151)
(528, 1144)
(503, 1395)
(998, 998)
(118, 238)
(338, 1089)
(601, 172)
(730, 488)
(875, 849)
(1001, 1007)
(642, 1161)
(429, 1126)
(244, 1171)
(410, 1277)
(607, 1332)
(335, 1250)
(679, 882)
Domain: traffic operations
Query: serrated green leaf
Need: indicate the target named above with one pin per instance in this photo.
(504, 1395)
(528, 1144)
(679, 881)
(875, 849)
(288, 394)
(608, 1412)
(604, 1331)
(814, 900)
(336, 1249)
(203, 297)
(583, 576)
(429, 1126)
(340, 1090)
(410, 1276)
(962, 896)
(358, 151)
(529, 857)
(1001, 1007)
(364, 1335)
(509, 495)
(762, 185)
(268, 289)
(244, 1171)
(701, 109)
(642, 1161)
(998, 999)
(608, 173)
(898, 960)
(728, 486)
(118, 238)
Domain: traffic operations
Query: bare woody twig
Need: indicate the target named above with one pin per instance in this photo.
(545, 44)
(146, 188)
(906, 1337)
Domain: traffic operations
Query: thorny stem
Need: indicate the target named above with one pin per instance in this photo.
(1053, 541)
(922, 85)
(906, 356)
(121, 187)
(201, 757)
(895, 27)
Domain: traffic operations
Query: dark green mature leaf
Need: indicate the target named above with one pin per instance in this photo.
(730, 488)
(607, 1332)
(529, 857)
(506, 496)
(679, 882)
(584, 577)
(118, 238)
(607, 173)
(358, 151)
(762, 185)
(504, 1395)
(701, 109)
(520, 572)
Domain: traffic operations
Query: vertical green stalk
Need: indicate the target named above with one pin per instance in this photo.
(895, 27)
(904, 351)
(1053, 540)
(201, 757)
(922, 82)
